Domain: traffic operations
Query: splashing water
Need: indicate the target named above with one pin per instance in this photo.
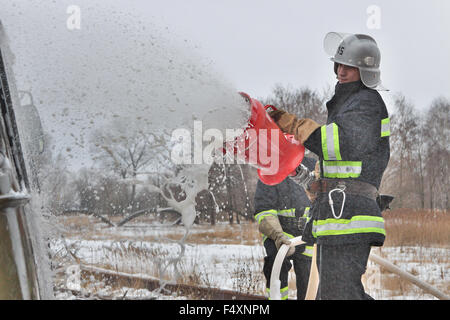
(119, 75)
(117, 66)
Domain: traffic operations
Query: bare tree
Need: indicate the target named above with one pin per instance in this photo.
(129, 152)
(303, 102)
(404, 135)
(418, 170)
(55, 181)
(437, 133)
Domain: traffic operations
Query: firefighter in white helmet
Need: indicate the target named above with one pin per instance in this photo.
(353, 149)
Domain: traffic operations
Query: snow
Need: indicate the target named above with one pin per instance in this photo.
(238, 266)
(227, 259)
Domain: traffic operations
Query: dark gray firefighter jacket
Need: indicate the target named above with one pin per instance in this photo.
(353, 145)
(289, 202)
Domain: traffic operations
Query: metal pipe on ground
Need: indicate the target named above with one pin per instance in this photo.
(313, 283)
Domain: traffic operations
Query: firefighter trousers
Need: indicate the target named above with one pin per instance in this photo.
(340, 270)
(302, 265)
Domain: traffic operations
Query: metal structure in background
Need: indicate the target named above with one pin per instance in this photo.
(18, 275)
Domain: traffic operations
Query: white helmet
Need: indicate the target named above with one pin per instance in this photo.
(356, 50)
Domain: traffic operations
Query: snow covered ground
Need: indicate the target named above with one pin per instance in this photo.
(221, 264)
(431, 265)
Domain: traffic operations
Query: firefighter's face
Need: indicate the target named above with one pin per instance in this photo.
(347, 74)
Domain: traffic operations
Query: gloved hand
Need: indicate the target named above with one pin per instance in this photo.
(270, 226)
(289, 123)
(283, 239)
(276, 114)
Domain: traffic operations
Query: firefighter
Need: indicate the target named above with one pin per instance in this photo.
(281, 212)
(353, 150)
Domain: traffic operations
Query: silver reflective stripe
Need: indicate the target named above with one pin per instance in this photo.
(306, 212)
(284, 293)
(330, 142)
(264, 237)
(287, 213)
(342, 169)
(357, 224)
(385, 127)
(290, 236)
(264, 214)
(308, 251)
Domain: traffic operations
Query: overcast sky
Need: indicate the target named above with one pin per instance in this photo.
(261, 42)
(258, 43)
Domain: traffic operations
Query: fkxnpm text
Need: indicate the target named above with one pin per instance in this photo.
(226, 309)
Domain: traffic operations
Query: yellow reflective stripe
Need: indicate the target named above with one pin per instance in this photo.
(323, 131)
(306, 212)
(357, 224)
(343, 221)
(330, 142)
(290, 236)
(342, 169)
(284, 293)
(261, 215)
(308, 251)
(385, 127)
(336, 142)
(287, 213)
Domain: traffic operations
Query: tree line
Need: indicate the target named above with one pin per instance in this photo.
(418, 172)
(132, 170)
